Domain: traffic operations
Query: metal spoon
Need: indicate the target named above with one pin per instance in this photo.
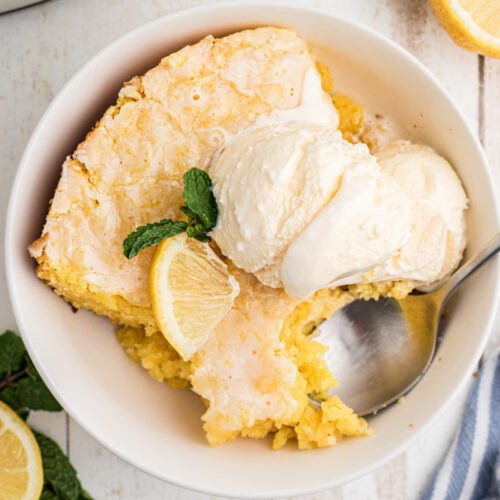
(379, 350)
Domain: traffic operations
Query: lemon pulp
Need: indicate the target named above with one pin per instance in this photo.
(191, 290)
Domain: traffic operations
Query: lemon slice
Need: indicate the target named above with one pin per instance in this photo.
(191, 290)
(21, 473)
(472, 24)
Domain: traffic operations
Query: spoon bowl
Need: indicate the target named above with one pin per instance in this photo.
(380, 349)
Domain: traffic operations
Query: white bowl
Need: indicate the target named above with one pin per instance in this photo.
(158, 429)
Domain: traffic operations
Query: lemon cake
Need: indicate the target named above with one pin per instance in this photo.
(260, 364)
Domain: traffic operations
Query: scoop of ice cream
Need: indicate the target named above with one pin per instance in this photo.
(438, 202)
(364, 224)
(276, 188)
(437, 225)
(269, 183)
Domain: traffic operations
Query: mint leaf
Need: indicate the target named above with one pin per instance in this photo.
(29, 394)
(12, 354)
(199, 197)
(151, 234)
(48, 493)
(60, 479)
(25, 390)
(32, 392)
(199, 232)
(58, 473)
(10, 397)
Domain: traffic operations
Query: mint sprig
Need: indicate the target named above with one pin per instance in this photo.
(22, 388)
(200, 209)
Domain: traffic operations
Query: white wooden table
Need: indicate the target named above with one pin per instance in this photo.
(41, 47)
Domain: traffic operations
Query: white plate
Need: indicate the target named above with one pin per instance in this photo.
(158, 429)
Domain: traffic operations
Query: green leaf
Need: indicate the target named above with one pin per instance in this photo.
(12, 354)
(48, 493)
(199, 197)
(10, 397)
(85, 495)
(32, 392)
(151, 234)
(198, 232)
(58, 472)
(29, 392)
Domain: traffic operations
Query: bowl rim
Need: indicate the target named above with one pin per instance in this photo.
(17, 187)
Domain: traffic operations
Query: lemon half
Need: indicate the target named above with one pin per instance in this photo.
(472, 24)
(191, 290)
(21, 473)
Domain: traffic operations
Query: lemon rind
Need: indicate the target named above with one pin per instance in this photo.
(463, 30)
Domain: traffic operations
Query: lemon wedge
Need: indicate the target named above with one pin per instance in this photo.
(191, 290)
(472, 24)
(21, 473)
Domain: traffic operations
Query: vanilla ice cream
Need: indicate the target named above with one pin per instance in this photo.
(365, 223)
(438, 203)
(269, 184)
(303, 209)
(300, 207)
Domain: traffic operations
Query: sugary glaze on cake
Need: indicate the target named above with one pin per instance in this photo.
(128, 171)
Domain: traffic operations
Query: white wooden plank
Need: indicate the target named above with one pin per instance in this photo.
(492, 115)
(491, 142)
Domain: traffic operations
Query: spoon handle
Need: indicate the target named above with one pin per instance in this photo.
(471, 266)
